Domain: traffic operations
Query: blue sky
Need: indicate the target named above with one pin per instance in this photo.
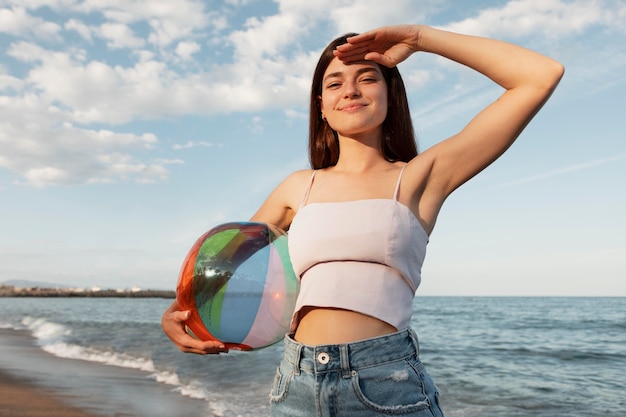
(130, 127)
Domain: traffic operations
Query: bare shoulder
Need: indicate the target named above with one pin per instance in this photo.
(282, 204)
(296, 183)
(296, 177)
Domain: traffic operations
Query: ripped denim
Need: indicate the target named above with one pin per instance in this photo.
(382, 376)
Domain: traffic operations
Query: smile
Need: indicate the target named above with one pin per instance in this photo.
(352, 107)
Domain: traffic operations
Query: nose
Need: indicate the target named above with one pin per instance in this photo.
(351, 89)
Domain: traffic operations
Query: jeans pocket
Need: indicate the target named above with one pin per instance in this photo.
(392, 388)
(279, 386)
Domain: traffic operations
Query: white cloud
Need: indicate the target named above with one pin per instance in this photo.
(82, 29)
(548, 18)
(170, 161)
(17, 21)
(124, 166)
(191, 144)
(266, 64)
(296, 115)
(266, 38)
(359, 16)
(419, 77)
(237, 2)
(36, 4)
(94, 91)
(257, 125)
(41, 177)
(185, 50)
(47, 153)
(169, 20)
(119, 35)
(8, 82)
(25, 51)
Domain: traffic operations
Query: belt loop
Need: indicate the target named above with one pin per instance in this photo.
(416, 342)
(297, 358)
(345, 361)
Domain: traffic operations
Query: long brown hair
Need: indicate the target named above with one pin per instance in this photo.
(398, 143)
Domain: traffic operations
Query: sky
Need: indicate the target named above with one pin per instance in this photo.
(128, 128)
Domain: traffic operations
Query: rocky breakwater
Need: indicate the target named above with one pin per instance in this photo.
(11, 291)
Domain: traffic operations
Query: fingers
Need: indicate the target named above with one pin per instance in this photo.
(386, 46)
(364, 54)
(363, 37)
(372, 46)
(185, 343)
(173, 324)
(188, 344)
(380, 59)
(351, 55)
(359, 52)
(360, 44)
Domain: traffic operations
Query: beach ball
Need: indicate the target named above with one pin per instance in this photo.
(239, 285)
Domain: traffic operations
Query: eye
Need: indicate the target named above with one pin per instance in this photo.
(369, 79)
(333, 85)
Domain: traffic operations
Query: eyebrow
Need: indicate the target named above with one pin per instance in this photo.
(359, 72)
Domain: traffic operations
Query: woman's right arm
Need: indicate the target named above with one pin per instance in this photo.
(278, 209)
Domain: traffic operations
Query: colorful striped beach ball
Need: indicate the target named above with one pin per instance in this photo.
(238, 283)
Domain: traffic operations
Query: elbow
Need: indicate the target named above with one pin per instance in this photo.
(547, 78)
(554, 74)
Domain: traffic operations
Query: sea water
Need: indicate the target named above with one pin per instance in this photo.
(490, 356)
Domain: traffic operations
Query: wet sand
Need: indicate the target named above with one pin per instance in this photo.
(35, 383)
(20, 397)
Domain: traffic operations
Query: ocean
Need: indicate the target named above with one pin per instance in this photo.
(490, 357)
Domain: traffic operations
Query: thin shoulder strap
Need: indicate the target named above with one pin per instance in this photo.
(305, 197)
(397, 191)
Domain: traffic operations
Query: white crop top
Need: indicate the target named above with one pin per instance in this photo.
(362, 255)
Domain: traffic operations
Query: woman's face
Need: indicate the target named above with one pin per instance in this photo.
(354, 98)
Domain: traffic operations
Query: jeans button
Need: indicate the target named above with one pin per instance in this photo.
(323, 358)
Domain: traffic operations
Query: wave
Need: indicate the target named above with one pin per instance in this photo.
(51, 337)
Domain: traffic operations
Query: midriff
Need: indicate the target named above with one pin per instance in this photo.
(323, 326)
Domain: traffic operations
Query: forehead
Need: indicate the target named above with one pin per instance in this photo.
(339, 68)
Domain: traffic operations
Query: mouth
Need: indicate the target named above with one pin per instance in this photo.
(352, 107)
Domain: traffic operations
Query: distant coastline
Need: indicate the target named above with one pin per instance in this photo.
(11, 291)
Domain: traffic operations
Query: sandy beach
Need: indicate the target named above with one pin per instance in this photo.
(35, 383)
(20, 397)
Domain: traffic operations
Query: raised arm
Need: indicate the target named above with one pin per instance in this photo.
(527, 77)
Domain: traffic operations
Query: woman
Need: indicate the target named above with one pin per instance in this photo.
(359, 222)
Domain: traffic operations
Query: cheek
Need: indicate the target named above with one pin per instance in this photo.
(326, 101)
(384, 99)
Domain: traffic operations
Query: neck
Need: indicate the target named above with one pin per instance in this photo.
(360, 155)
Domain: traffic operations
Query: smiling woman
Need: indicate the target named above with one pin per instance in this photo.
(359, 221)
(399, 143)
(364, 111)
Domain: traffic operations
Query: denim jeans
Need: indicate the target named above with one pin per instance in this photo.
(382, 376)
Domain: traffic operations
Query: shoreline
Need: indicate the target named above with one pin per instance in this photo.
(36, 383)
